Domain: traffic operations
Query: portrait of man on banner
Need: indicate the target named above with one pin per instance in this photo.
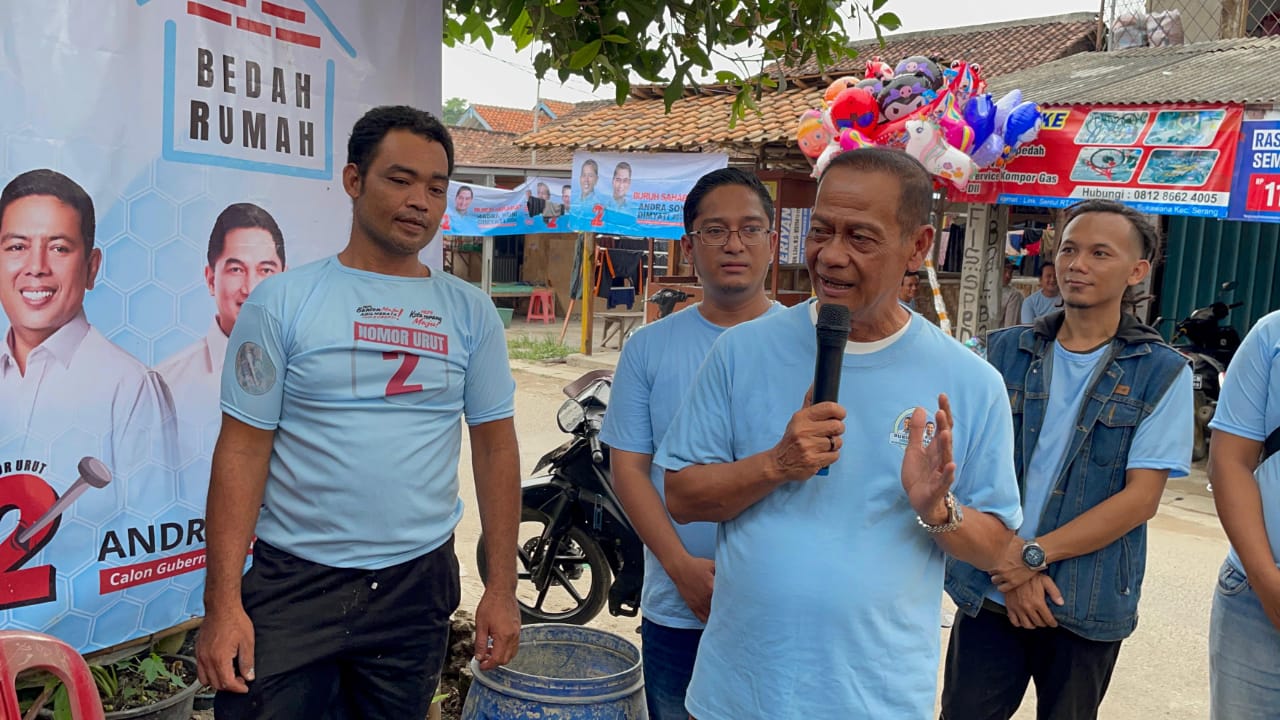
(246, 246)
(87, 417)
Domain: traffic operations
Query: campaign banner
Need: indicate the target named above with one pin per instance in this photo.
(636, 194)
(1255, 189)
(1160, 159)
(161, 158)
(538, 205)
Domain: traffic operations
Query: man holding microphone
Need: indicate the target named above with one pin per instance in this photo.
(820, 576)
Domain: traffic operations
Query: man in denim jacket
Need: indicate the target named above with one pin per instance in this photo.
(1102, 414)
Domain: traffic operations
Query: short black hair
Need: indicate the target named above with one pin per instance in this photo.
(56, 185)
(566, 187)
(462, 188)
(720, 178)
(624, 165)
(375, 124)
(1045, 264)
(1144, 232)
(237, 217)
(915, 184)
(595, 165)
(912, 273)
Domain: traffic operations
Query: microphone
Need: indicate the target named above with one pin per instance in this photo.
(832, 331)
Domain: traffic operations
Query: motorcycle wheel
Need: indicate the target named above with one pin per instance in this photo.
(578, 585)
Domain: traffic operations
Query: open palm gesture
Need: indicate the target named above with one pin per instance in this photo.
(928, 472)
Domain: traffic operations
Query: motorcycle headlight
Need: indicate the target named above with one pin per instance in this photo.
(570, 415)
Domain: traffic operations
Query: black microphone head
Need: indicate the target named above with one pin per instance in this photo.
(833, 324)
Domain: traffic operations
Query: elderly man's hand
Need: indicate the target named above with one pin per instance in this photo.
(928, 471)
(811, 442)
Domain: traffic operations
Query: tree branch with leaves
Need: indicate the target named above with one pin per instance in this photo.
(670, 43)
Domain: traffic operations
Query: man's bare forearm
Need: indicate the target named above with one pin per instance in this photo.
(495, 462)
(644, 506)
(236, 484)
(1110, 520)
(1232, 462)
(721, 492)
(979, 540)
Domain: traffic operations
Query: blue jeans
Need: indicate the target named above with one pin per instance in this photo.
(668, 654)
(1244, 652)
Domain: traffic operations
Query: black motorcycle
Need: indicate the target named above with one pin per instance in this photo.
(1209, 345)
(574, 533)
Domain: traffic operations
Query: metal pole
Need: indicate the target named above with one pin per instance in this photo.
(588, 302)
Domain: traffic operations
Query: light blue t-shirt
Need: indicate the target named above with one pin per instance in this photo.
(656, 370)
(1161, 442)
(1249, 406)
(1037, 304)
(364, 378)
(827, 591)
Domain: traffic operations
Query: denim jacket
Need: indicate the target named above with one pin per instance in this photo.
(1101, 589)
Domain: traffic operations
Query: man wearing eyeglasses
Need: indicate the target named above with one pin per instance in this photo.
(727, 218)
(828, 586)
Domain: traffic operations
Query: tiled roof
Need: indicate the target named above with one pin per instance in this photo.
(701, 121)
(999, 47)
(558, 107)
(484, 149)
(1218, 71)
(695, 123)
(505, 119)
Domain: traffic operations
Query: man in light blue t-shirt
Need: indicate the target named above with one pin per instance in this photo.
(344, 389)
(727, 218)
(1244, 465)
(1102, 412)
(1045, 300)
(828, 587)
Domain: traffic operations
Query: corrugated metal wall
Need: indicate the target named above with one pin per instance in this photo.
(1204, 253)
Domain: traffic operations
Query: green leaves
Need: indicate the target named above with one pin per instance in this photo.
(583, 56)
(889, 21)
(610, 42)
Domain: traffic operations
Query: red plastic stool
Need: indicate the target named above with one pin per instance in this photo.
(542, 306)
(21, 650)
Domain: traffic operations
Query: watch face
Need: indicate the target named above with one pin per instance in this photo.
(1033, 556)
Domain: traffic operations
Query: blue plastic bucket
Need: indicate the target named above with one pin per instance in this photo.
(562, 672)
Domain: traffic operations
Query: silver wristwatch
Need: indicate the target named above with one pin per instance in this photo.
(955, 514)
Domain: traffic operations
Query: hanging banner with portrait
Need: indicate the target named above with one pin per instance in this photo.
(161, 157)
(538, 205)
(636, 194)
(1160, 159)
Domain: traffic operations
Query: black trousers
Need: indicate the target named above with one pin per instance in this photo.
(334, 643)
(990, 662)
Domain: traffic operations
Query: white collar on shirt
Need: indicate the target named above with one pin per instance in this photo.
(61, 344)
(216, 344)
(866, 348)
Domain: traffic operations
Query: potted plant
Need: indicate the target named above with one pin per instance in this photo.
(144, 687)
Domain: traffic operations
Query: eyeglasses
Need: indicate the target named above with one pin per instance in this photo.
(715, 235)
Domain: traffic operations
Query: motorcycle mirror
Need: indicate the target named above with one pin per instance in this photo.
(570, 416)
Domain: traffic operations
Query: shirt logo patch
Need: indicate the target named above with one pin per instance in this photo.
(425, 318)
(901, 435)
(380, 312)
(255, 372)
